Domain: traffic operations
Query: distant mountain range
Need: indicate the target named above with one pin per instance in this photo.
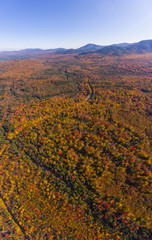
(111, 50)
(135, 48)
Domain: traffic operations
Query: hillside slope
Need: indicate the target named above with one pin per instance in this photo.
(136, 48)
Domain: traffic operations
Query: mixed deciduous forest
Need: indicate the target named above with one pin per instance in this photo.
(76, 147)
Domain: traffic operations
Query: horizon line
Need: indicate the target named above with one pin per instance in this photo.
(44, 49)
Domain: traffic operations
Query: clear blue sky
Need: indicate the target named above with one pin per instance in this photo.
(73, 23)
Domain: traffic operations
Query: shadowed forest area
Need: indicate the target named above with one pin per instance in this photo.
(76, 147)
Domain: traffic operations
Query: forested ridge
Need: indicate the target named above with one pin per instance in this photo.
(76, 147)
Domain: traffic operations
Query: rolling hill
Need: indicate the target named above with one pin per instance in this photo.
(136, 48)
(111, 50)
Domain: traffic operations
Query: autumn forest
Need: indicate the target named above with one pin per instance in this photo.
(76, 147)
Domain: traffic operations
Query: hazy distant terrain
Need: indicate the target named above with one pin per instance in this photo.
(112, 50)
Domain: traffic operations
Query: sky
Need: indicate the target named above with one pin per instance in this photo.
(50, 24)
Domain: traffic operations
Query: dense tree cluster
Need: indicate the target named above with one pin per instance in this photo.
(75, 167)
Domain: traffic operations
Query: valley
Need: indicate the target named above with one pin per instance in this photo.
(76, 144)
